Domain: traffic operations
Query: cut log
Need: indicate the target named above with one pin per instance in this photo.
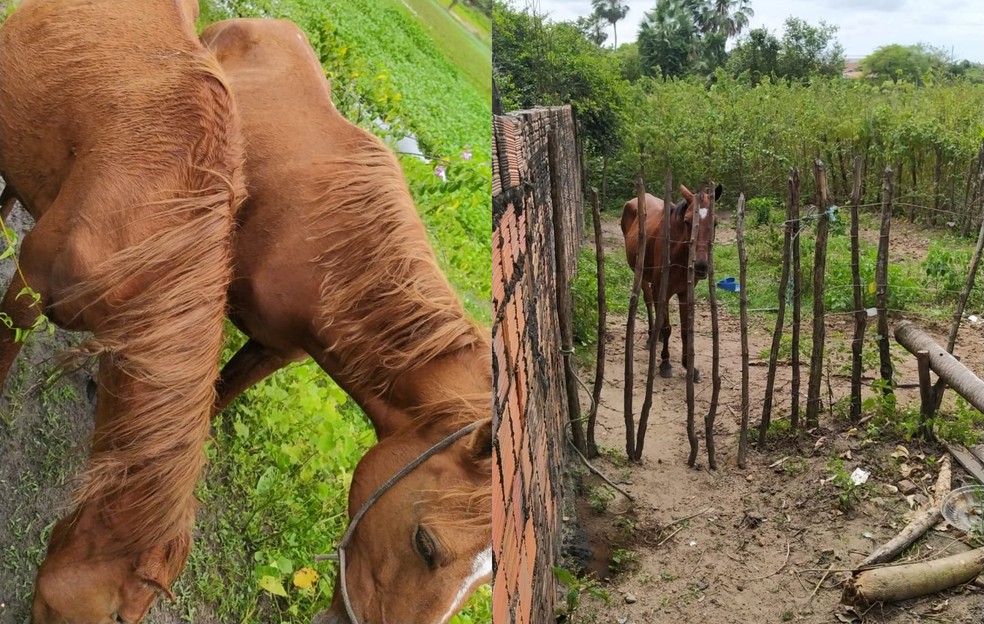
(956, 375)
(895, 583)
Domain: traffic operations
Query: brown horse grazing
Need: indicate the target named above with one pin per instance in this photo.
(332, 261)
(121, 139)
(681, 222)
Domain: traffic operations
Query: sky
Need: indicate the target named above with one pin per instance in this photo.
(863, 25)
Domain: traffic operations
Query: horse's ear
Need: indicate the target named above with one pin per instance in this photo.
(480, 442)
(686, 194)
(159, 566)
(717, 192)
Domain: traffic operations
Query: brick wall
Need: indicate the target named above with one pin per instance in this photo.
(528, 369)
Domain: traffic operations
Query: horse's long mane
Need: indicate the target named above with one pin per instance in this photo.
(460, 505)
(392, 310)
(159, 348)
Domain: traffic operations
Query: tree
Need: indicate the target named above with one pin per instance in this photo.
(809, 51)
(666, 38)
(757, 54)
(540, 63)
(592, 27)
(611, 11)
(730, 17)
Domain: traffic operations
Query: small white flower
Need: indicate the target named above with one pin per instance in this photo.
(951, 223)
(440, 172)
(466, 155)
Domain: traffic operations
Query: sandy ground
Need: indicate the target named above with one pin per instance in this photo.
(760, 540)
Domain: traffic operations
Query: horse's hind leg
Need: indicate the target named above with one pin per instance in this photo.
(647, 291)
(685, 312)
(250, 365)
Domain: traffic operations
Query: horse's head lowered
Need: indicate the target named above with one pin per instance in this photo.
(701, 218)
(86, 578)
(420, 553)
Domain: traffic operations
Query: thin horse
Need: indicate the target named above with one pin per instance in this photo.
(333, 262)
(120, 138)
(681, 221)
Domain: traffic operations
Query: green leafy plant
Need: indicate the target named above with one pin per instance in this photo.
(577, 587)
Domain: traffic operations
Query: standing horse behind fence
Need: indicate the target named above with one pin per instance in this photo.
(681, 220)
(333, 262)
(120, 138)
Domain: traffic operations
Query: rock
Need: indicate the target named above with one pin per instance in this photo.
(907, 487)
(702, 585)
(630, 598)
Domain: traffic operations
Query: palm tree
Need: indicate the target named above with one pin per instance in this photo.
(592, 27)
(611, 11)
(730, 17)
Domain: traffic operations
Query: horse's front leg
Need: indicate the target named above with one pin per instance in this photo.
(665, 366)
(685, 312)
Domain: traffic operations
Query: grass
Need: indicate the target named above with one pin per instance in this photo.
(470, 50)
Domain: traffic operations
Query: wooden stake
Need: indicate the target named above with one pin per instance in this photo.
(794, 386)
(599, 379)
(819, 265)
(743, 319)
(860, 316)
(715, 346)
(565, 304)
(655, 328)
(770, 378)
(881, 283)
(689, 321)
(926, 398)
(630, 324)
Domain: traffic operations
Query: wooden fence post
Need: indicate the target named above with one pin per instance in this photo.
(819, 266)
(743, 329)
(770, 379)
(602, 327)
(881, 284)
(689, 323)
(715, 346)
(860, 316)
(926, 402)
(794, 383)
(565, 305)
(630, 323)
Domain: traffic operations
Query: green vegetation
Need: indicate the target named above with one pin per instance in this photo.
(697, 119)
(577, 587)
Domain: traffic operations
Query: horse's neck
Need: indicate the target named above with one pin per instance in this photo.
(464, 373)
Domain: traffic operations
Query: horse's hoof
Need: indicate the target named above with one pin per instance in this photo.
(91, 389)
(696, 376)
(666, 371)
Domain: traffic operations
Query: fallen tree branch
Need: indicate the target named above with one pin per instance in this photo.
(924, 521)
(599, 473)
(895, 583)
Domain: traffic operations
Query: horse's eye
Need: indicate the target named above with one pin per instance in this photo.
(424, 544)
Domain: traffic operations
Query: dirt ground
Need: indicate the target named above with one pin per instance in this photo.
(759, 541)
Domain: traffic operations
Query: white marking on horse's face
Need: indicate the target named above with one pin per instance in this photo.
(703, 213)
(481, 568)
